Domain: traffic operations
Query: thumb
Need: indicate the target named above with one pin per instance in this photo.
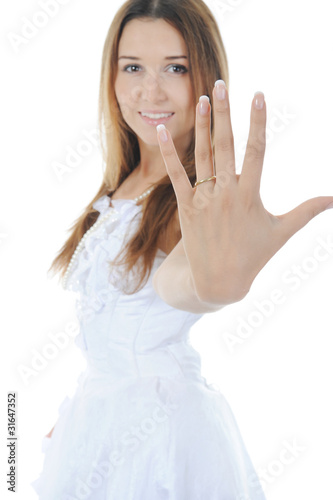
(297, 218)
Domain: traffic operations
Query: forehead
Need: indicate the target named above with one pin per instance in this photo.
(145, 37)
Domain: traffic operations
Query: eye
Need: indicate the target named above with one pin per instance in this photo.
(131, 68)
(175, 68)
(178, 68)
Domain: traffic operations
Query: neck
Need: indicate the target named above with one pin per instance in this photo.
(151, 164)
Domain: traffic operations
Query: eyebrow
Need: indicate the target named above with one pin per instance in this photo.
(138, 58)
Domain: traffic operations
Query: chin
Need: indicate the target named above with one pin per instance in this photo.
(148, 139)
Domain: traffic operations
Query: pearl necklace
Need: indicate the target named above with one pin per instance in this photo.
(97, 224)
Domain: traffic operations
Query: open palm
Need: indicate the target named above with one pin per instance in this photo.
(227, 233)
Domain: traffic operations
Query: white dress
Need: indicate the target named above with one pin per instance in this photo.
(143, 423)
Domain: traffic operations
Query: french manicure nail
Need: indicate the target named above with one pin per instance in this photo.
(204, 104)
(220, 89)
(162, 132)
(259, 100)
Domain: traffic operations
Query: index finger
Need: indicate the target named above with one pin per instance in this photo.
(178, 176)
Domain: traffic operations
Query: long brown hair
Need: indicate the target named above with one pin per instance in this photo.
(121, 154)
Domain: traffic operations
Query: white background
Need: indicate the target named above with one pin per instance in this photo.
(278, 379)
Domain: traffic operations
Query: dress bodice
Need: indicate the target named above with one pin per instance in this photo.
(121, 334)
(143, 422)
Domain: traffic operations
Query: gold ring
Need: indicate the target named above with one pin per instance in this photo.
(205, 180)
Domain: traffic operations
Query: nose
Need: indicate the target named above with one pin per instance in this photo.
(152, 88)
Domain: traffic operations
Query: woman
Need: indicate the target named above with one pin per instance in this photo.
(172, 233)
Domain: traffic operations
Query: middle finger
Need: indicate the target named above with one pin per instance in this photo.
(223, 136)
(204, 162)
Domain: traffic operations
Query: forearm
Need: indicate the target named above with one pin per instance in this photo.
(174, 284)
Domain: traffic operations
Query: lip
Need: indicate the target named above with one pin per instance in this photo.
(160, 121)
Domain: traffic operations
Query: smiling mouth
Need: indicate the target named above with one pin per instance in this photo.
(156, 116)
(154, 119)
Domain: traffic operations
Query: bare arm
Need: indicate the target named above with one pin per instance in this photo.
(173, 283)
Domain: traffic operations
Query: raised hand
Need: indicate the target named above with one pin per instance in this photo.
(227, 233)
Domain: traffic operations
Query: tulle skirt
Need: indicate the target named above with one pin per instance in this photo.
(148, 438)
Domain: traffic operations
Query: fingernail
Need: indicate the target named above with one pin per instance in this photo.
(220, 89)
(259, 100)
(162, 132)
(204, 104)
(329, 206)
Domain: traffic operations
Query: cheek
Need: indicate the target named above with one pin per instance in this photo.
(123, 104)
(190, 111)
(186, 101)
(121, 87)
(117, 93)
(127, 95)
